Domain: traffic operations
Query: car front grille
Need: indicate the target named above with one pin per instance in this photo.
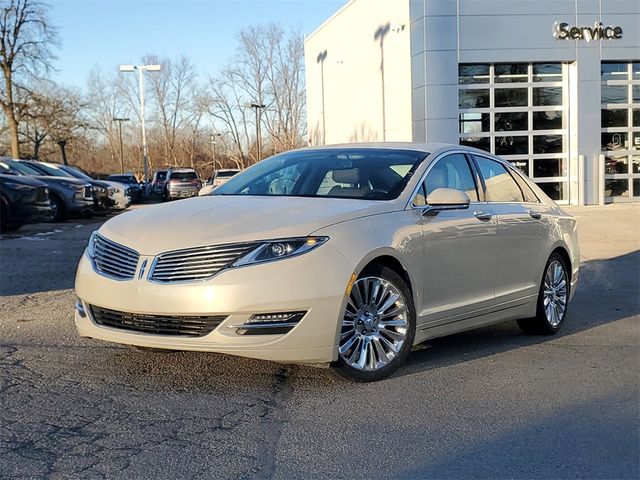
(197, 263)
(180, 325)
(115, 260)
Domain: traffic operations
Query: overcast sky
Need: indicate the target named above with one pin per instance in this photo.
(106, 33)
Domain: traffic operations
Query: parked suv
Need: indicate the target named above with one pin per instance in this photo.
(22, 200)
(69, 196)
(119, 194)
(101, 202)
(181, 183)
(158, 181)
(218, 178)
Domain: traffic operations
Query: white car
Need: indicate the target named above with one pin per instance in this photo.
(119, 195)
(218, 178)
(373, 249)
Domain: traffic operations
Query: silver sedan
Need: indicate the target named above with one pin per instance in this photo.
(344, 255)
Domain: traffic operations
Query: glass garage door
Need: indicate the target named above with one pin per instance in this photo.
(519, 111)
(620, 124)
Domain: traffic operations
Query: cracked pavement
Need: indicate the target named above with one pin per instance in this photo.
(488, 403)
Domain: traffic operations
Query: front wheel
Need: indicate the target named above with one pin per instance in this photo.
(553, 299)
(378, 326)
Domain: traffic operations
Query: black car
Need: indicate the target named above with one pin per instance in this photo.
(129, 179)
(23, 200)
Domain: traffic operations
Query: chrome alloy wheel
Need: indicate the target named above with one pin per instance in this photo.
(555, 293)
(374, 326)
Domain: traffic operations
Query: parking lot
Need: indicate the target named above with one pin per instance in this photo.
(492, 403)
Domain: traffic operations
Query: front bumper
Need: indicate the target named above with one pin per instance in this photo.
(314, 282)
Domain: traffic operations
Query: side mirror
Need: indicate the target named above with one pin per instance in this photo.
(447, 199)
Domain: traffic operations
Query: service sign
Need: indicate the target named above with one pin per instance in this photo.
(564, 31)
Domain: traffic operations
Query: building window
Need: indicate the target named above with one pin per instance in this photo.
(620, 129)
(519, 111)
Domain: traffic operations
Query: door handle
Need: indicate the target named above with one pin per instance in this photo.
(480, 215)
(534, 214)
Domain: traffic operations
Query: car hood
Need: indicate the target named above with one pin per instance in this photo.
(22, 180)
(220, 219)
(50, 180)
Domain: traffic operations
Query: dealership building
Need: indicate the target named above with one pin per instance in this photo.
(552, 86)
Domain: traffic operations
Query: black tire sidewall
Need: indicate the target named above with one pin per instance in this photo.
(346, 371)
(59, 215)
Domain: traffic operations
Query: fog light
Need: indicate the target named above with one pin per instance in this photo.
(290, 317)
(80, 309)
(277, 323)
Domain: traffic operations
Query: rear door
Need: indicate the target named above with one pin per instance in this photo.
(522, 232)
(460, 246)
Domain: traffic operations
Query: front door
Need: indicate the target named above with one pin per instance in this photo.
(460, 248)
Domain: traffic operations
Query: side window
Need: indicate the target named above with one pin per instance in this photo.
(501, 187)
(452, 171)
(529, 196)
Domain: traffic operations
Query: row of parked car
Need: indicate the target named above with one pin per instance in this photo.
(33, 191)
(184, 182)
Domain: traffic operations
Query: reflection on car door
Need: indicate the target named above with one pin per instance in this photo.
(522, 233)
(460, 248)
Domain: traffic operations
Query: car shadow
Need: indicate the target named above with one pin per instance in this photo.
(608, 292)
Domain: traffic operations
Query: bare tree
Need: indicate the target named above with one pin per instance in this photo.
(26, 38)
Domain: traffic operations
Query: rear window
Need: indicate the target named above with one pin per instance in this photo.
(122, 178)
(161, 175)
(184, 176)
(226, 174)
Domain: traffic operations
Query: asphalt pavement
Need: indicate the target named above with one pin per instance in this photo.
(492, 403)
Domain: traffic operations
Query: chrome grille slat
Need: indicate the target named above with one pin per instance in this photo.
(209, 251)
(115, 260)
(197, 263)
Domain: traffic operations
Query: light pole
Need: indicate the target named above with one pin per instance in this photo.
(212, 139)
(120, 120)
(141, 69)
(258, 107)
(322, 56)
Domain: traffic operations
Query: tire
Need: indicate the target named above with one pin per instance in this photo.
(57, 209)
(373, 344)
(553, 299)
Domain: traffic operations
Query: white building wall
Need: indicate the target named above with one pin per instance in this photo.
(421, 68)
(353, 99)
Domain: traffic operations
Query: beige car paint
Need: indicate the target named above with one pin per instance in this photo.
(459, 266)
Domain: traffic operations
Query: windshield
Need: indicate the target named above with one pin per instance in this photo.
(23, 168)
(370, 174)
(161, 176)
(47, 170)
(184, 176)
(76, 173)
(122, 178)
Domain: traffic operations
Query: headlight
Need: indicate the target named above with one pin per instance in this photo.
(72, 186)
(113, 191)
(91, 247)
(278, 249)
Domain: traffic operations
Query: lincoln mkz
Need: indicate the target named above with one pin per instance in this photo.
(345, 256)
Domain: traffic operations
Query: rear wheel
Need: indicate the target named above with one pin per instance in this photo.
(553, 299)
(378, 326)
